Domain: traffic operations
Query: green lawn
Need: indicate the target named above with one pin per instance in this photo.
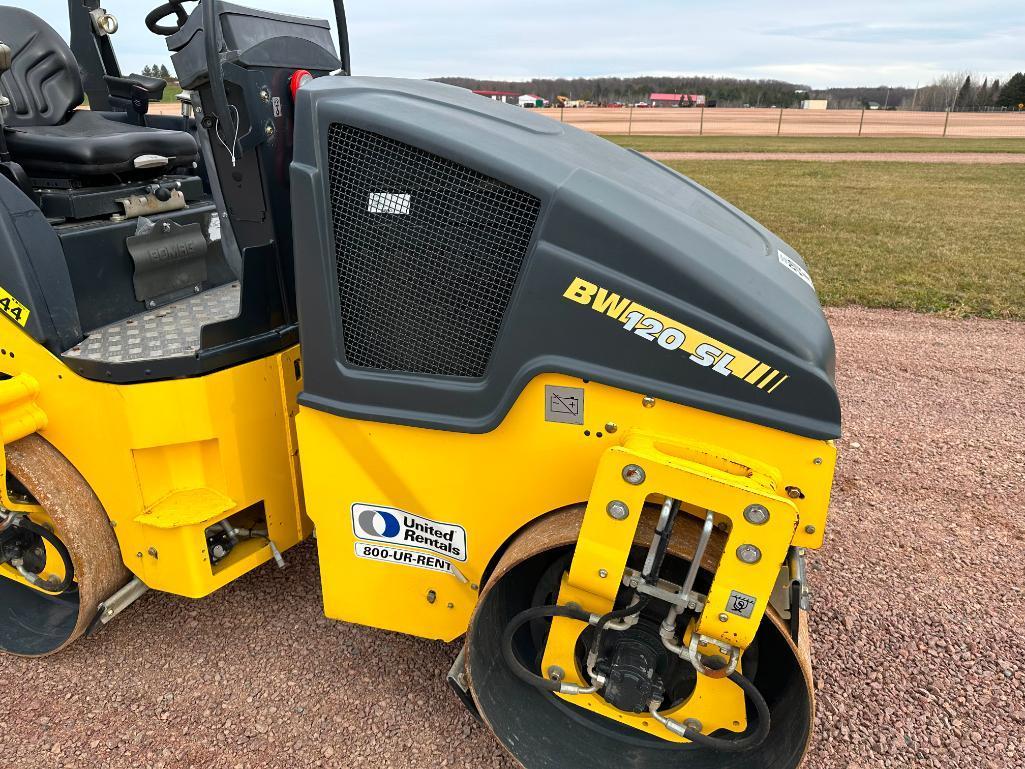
(813, 144)
(931, 238)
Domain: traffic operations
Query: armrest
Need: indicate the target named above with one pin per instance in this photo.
(121, 87)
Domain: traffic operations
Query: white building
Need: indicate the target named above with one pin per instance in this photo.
(532, 100)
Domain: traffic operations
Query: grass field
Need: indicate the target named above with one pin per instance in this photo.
(813, 144)
(931, 238)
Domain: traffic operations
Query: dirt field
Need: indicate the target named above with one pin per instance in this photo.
(967, 158)
(792, 122)
(917, 595)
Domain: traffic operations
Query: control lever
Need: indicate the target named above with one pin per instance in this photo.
(140, 103)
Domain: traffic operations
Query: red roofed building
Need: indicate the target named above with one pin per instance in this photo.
(666, 99)
(509, 97)
(677, 100)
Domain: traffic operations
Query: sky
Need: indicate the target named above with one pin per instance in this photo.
(821, 44)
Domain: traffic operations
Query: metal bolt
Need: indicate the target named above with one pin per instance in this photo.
(166, 226)
(431, 596)
(756, 514)
(153, 552)
(724, 617)
(648, 402)
(451, 606)
(617, 510)
(794, 492)
(196, 289)
(693, 723)
(611, 427)
(556, 673)
(264, 94)
(603, 573)
(108, 613)
(139, 554)
(474, 587)
(817, 460)
(749, 554)
(634, 475)
(809, 529)
(269, 130)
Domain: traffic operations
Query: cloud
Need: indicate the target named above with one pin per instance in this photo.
(807, 41)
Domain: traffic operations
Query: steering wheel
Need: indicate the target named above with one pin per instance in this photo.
(164, 10)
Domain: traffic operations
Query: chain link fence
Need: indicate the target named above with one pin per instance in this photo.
(714, 121)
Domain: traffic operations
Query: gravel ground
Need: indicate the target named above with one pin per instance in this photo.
(917, 595)
(969, 158)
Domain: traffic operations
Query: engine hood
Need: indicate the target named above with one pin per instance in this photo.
(622, 252)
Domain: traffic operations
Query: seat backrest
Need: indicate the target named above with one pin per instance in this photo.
(44, 83)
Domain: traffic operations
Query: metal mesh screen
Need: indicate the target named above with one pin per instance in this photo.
(428, 253)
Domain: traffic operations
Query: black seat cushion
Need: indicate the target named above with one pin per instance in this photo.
(89, 144)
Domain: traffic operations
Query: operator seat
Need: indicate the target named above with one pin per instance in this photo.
(50, 136)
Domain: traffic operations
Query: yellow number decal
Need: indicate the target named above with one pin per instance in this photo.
(12, 308)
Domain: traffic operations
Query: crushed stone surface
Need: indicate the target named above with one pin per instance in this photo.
(918, 611)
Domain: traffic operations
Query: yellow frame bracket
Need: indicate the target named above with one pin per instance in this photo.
(19, 416)
(649, 467)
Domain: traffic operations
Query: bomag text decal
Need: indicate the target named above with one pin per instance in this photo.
(674, 336)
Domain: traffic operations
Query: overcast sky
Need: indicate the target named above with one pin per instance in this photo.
(819, 43)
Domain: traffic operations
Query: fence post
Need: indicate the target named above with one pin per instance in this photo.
(701, 125)
(630, 127)
(779, 125)
(862, 123)
(562, 113)
(946, 122)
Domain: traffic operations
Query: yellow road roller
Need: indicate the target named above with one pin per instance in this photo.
(525, 387)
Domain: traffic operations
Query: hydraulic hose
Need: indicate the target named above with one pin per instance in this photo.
(724, 744)
(521, 619)
(23, 522)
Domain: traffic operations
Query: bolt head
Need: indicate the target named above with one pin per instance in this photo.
(794, 492)
(617, 510)
(693, 723)
(432, 596)
(611, 427)
(756, 514)
(749, 554)
(556, 673)
(817, 460)
(603, 573)
(648, 402)
(809, 529)
(634, 475)
(724, 617)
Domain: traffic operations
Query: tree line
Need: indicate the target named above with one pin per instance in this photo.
(725, 91)
(157, 70)
(960, 91)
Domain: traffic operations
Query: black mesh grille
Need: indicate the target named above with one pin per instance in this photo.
(428, 252)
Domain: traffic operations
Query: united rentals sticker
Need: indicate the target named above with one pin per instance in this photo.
(398, 555)
(391, 526)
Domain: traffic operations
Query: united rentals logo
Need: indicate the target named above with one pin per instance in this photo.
(397, 527)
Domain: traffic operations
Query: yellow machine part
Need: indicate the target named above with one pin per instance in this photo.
(490, 485)
(169, 459)
(707, 479)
